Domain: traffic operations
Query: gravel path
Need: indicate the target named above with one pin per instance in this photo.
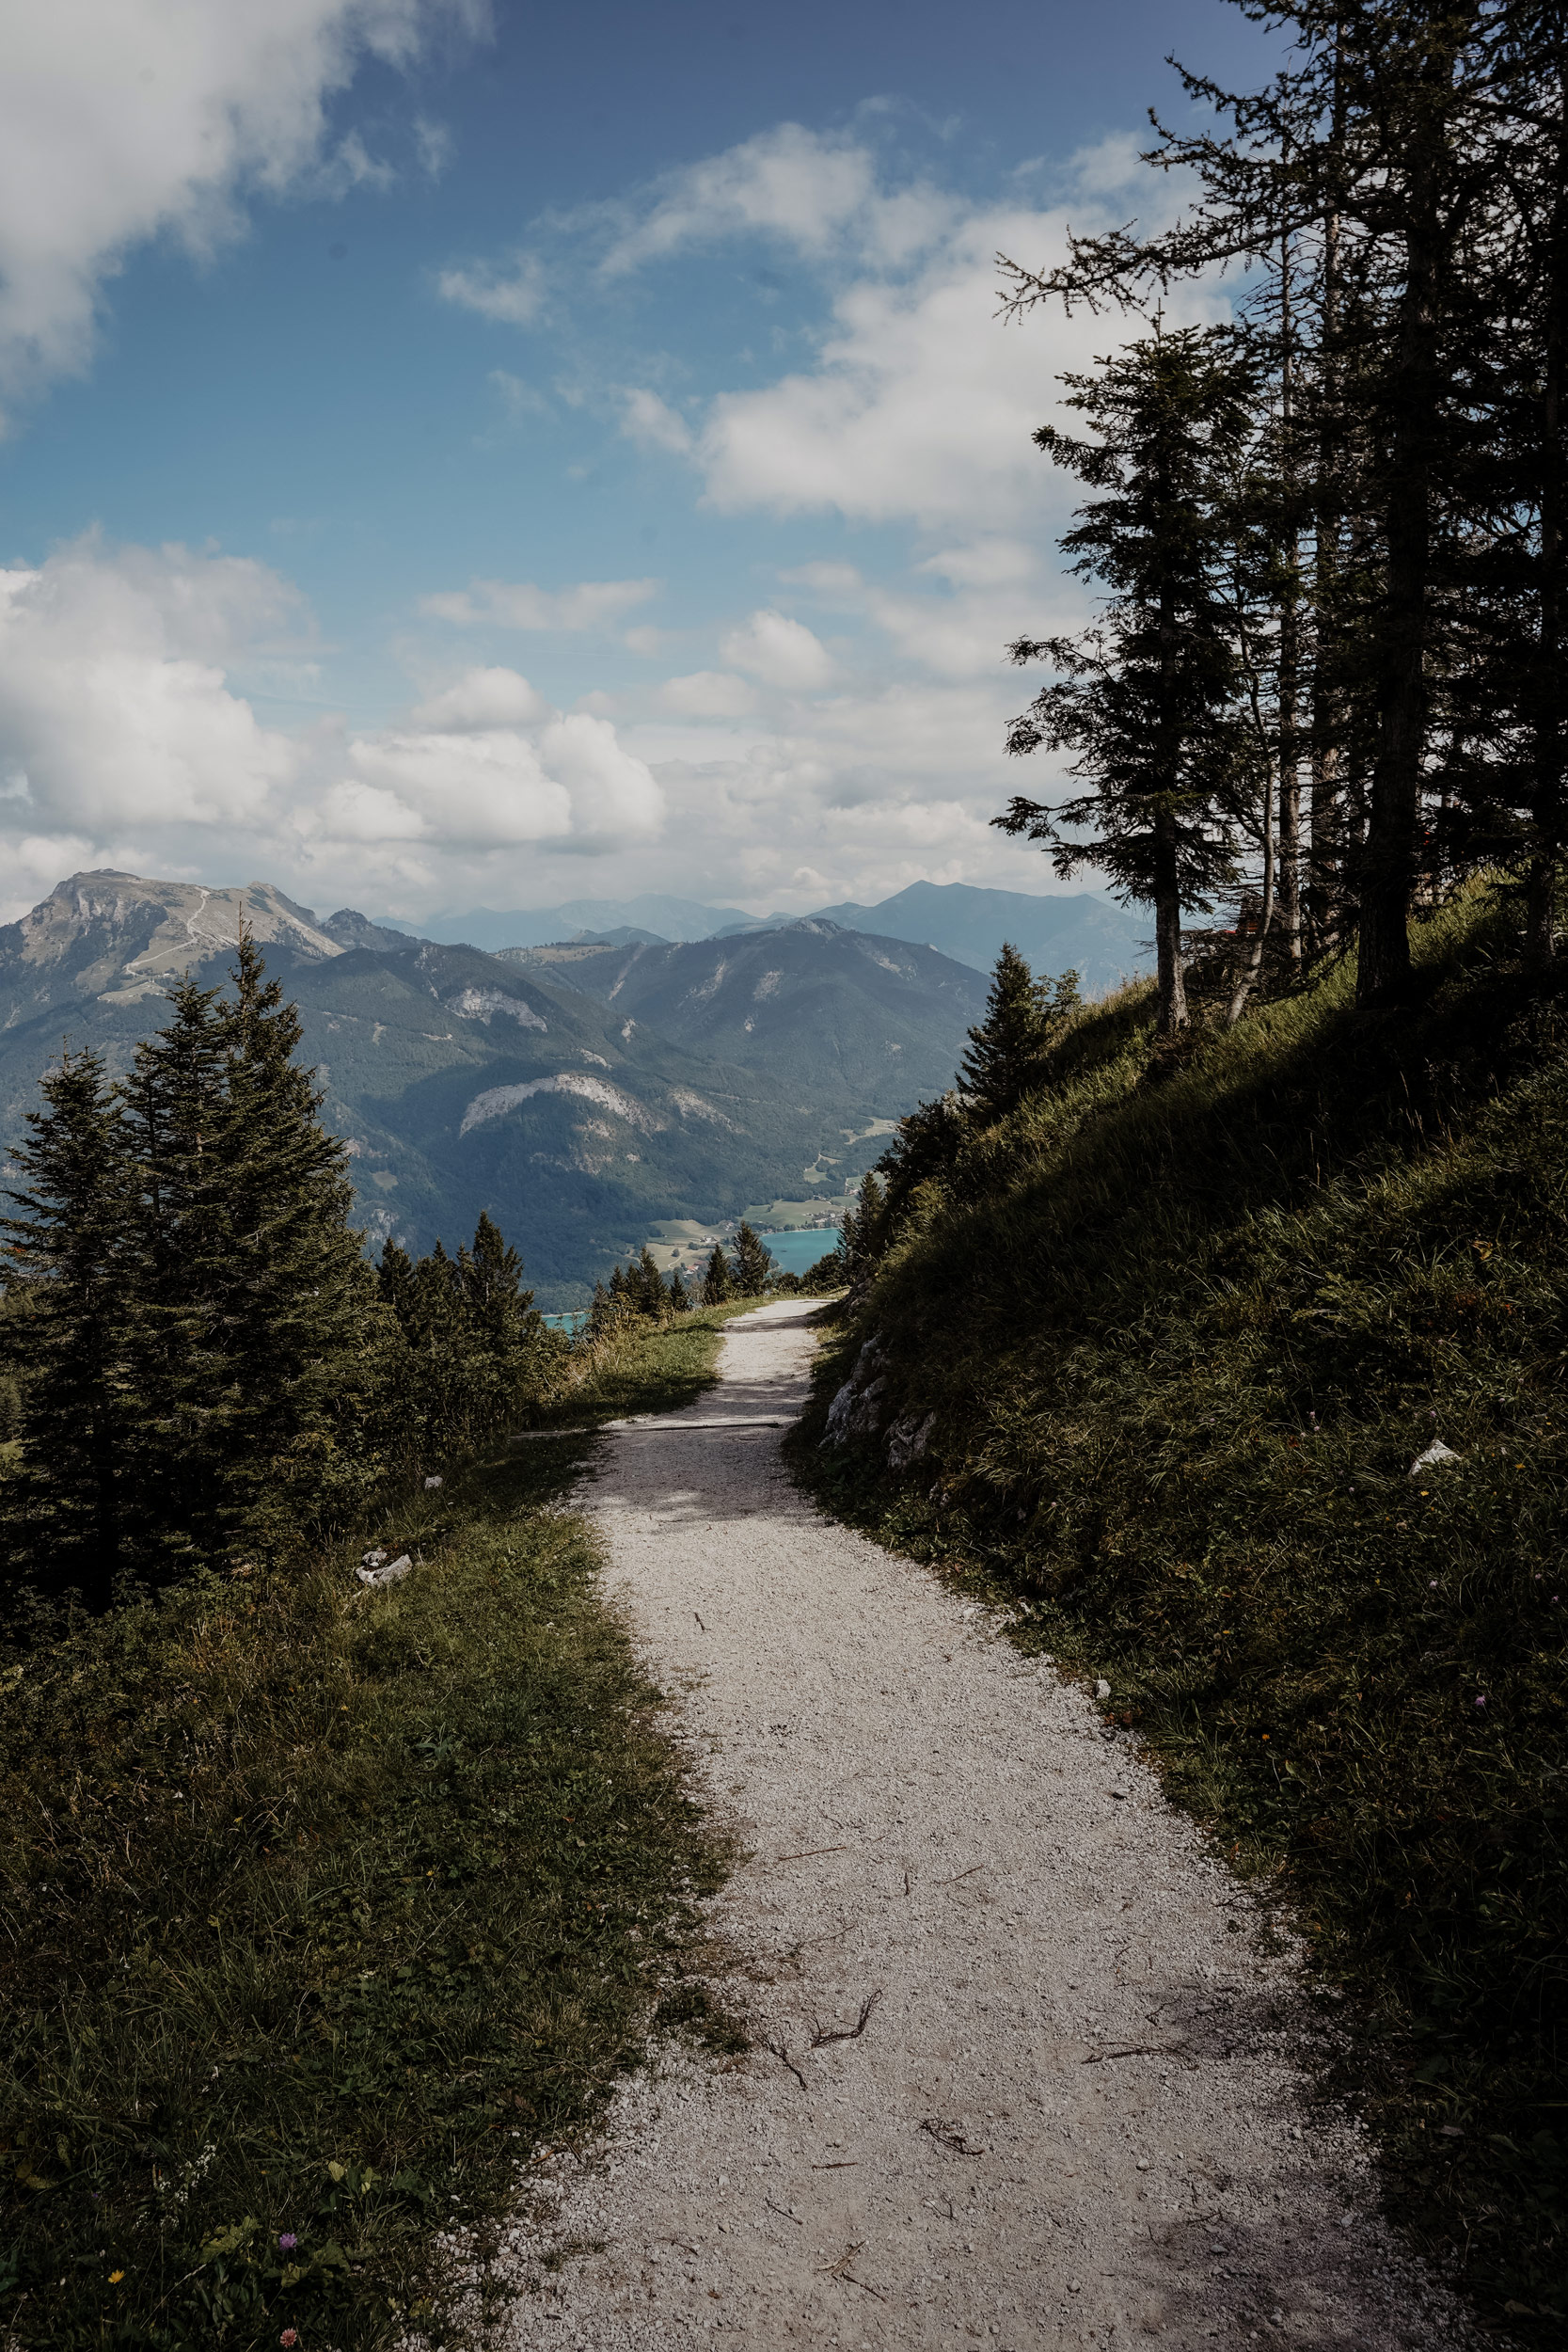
(1019, 2077)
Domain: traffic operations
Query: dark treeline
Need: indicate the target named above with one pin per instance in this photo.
(202, 1364)
(1326, 676)
(749, 1271)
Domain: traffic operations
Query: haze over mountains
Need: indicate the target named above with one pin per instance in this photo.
(464, 1081)
(1100, 941)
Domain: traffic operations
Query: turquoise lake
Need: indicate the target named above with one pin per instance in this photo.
(797, 1253)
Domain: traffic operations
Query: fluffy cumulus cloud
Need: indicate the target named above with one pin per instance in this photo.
(124, 739)
(115, 707)
(779, 651)
(123, 119)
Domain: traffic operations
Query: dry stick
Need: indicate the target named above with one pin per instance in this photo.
(810, 1852)
(821, 2036)
(1142, 2049)
(949, 2136)
(785, 2217)
(777, 2050)
(961, 1874)
(841, 2270)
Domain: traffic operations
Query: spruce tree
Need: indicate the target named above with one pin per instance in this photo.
(180, 1261)
(753, 1266)
(679, 1297)
(1151, 698)
(66, 1336)
(1004, 1050)
(648, 1285)
(717, 1286)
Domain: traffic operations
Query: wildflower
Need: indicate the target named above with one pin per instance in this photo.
(1481, 1701)
(289, 2339)
(287, 2242)
(1433, 1582)
(115, 2276)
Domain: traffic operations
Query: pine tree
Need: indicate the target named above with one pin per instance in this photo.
(66, 1336)
(1150, 699)
(717, 1286)
(679, 1297)
(1004, 1050)
(648, 1285)
(752, 1265)
(179, 1272)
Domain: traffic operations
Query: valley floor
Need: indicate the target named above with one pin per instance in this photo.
(1022, 2070)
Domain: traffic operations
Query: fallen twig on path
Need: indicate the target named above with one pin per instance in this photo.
(809, 1853)
(1141, 2049)
(777, 2050)
(840, 2270)
(950, 2136)
(822, 2035)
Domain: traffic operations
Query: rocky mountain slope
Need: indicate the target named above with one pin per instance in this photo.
(811, 1004)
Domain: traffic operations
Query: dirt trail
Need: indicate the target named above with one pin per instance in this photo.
(1019, 2077)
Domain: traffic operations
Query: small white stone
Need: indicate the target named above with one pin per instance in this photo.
(1102, 1690)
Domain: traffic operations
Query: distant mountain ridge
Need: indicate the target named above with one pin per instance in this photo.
(462, 1081)
(1102, 942)
(811, 1003)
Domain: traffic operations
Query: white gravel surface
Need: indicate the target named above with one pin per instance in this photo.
(1020, 2076)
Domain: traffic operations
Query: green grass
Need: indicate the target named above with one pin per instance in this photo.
(323, 1908)
(1185, 1325)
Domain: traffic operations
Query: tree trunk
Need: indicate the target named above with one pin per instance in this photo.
(1388, 857)
(1542, 882)
(1168, 928)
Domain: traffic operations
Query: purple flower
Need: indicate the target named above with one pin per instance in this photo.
(1481, 1701)
(288, 2241)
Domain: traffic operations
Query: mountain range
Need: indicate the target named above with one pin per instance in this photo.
(580, 1118)
(1102, 942)
(871, 1020)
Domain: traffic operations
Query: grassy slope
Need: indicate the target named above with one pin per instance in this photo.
(1183, 1344)
(324, 1906)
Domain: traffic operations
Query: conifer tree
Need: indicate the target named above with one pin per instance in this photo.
(753, 1265)
(717, 1286)
(1150, 698)
(648, 1285)
(679, 1297)
(1004, 1048)
(67, 1337)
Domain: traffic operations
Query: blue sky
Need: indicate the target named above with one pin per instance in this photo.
(461, 454)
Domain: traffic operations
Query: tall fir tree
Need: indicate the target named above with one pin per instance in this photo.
(1150, 700)
(717, 1286)
(66, 1335)
(1004, 1048)
(752, 1265)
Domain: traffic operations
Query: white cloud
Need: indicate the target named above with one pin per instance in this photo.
(125, 740)
(707, 694)
(512, 294)
(791, 182)
(124, 119)
(780, 652)
(504, 604)
(115, 708)
(482, 698)
(648, 420)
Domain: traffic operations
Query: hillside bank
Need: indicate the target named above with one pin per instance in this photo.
(325, 1906)
(1172, 1337)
